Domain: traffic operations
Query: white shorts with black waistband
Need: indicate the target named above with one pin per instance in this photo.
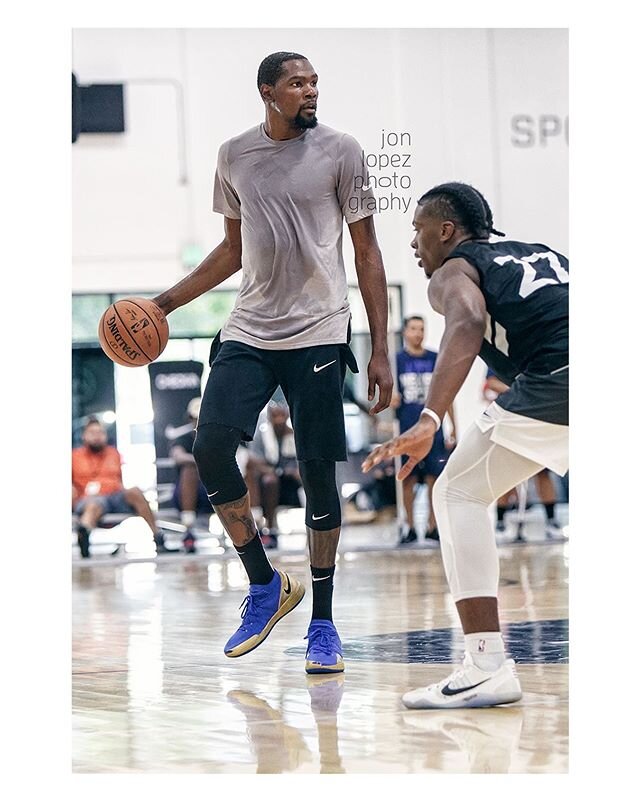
(543, 442)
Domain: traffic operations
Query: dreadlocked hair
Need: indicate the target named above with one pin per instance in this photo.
(464, 205)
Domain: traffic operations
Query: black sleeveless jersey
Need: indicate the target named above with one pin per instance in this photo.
(526, 289)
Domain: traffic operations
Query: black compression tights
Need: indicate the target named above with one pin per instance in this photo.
(214, 450)
(323, 502)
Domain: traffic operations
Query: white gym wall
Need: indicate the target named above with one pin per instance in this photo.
(488, 107)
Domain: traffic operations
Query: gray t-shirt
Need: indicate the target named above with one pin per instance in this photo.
(291, 197)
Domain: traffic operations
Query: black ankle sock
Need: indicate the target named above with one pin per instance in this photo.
(255, 561)
(550, 508)
(501, 511)
(322, 579)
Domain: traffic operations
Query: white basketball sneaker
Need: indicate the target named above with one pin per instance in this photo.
(469, 687)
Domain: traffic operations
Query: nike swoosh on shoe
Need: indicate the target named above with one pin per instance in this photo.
(447, 692)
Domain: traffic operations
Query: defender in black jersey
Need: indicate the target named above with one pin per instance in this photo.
(507, 302)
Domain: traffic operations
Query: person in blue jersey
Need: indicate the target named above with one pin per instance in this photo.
(507, 302)
(414, 367)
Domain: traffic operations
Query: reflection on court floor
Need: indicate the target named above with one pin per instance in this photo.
(153, 692)
(541, 642)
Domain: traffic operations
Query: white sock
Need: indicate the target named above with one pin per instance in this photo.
(486, 650)
(188, 518)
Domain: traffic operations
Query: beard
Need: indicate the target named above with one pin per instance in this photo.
(96, 448)
(305, 122)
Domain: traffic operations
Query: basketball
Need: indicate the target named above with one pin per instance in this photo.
(133, 332)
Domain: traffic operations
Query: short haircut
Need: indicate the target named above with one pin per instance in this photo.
(271, 67)
(415, 317)
(464, 205)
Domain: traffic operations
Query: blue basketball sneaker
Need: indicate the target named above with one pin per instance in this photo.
(324, 653)
(261, 609)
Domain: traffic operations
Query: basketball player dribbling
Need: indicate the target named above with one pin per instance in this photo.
(509, 303)
(284, 188)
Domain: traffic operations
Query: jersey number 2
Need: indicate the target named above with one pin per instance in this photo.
(531, 282)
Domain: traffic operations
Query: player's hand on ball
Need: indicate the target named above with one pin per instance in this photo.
(415, 443)
(133, 331)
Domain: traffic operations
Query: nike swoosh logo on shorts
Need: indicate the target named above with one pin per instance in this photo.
(214, 494)
(316, 368)
(447, 692)
(288, 589)
(313, 517)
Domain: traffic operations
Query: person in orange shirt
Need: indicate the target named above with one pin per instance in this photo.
(96, 479)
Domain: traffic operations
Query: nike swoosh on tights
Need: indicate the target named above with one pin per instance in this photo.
(313, 517)
(316, 368)
(447, 692)
(321, 579)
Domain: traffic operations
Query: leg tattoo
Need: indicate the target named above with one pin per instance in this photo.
(237, 520)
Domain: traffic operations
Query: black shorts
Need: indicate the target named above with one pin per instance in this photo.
(243, 379)
(543, 397)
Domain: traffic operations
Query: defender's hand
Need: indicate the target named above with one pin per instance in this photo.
(416, 443)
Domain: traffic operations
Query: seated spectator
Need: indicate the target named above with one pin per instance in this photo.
(272, 469)
(189, 496)
(96, 480)
(376, 495)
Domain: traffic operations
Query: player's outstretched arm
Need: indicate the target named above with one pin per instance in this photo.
(453, 291)
(373, 287)
(212, 271)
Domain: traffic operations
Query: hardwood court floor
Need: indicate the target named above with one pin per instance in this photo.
(153, 691)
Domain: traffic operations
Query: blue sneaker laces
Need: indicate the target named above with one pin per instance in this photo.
(323, 638)
(246, 607)
(249, 611)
